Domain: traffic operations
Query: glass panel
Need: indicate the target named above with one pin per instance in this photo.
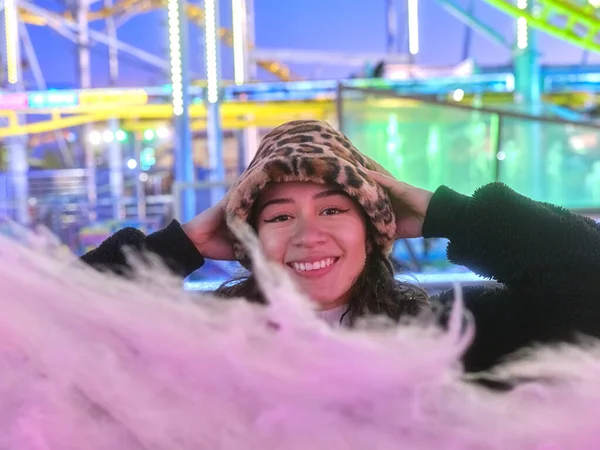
(565, 156)
(426, 145)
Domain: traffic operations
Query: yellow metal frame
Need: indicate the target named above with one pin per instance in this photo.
(233, 115)
(579, 24)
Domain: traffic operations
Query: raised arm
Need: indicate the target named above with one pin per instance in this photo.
(500, 234)
(171, 244)
(546, 258)
(181, 247)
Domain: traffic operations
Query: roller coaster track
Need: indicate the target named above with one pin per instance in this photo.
(195, 14)
(573, 21)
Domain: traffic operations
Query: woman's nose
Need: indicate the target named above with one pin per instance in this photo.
(307, 233)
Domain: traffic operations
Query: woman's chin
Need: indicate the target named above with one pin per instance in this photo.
(325, 302)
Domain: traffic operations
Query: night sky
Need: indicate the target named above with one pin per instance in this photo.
(335, 25)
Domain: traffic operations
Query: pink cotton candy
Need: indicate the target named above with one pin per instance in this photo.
(91, 361)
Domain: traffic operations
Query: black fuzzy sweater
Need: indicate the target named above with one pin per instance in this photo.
(546, 258)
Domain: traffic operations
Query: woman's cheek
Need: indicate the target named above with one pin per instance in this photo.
(273, 243)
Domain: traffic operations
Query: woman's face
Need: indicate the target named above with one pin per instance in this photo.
(318, 233)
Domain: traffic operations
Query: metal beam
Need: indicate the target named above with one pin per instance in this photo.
(326, 58)
(474, 23)
(54, 21)
(40, 82)
(85, 82)
(102, 38)
(29, 51)
(18, 164)
(528, 92)
(113, 55)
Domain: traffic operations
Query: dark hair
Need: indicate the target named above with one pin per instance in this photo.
(375, 292)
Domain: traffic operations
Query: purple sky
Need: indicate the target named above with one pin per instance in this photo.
(335, 25)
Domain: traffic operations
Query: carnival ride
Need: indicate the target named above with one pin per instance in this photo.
(267, 104)
(116, 121)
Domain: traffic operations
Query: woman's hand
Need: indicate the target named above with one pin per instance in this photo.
(410, 204)
(209, 233)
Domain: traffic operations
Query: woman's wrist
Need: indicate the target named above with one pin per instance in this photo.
(445, 213)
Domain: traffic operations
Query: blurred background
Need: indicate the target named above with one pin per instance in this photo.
(119, 113)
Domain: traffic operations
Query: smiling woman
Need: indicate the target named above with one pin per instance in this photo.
(319, 214)
(329, 216)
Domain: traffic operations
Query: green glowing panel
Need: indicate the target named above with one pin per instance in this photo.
(566, 156)
(428, 145)
(422, 144)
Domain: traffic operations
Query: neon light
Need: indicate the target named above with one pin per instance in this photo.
(162, 133)
(210, 28)
(114, 97)
(108, 136)
(95, 137)
(62, 99)
(120, 135)
(175, 54)
(458, 95)
(522, 26)
(13, 101)
(413, 26)
(12, 41)
(238, 15)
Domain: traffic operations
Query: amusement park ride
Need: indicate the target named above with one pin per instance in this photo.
(184, 108)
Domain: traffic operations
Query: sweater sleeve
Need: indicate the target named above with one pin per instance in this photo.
(546, 259)
(171, 244)
(503, 235)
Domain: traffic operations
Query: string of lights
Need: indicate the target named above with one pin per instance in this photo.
(175, 56)
(12, 41)
(210, 28)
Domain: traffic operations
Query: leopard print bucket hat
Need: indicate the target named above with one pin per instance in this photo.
(312, 151)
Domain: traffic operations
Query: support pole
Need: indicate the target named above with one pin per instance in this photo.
(180, 80)
(413, 29)
(115, 167)
(213, 73)
(245, 70)
(528, 94)
(466, 53)
(115, 148)
(16, 146)
(140, 192)
(113, 51)
(391, 21)
(85, 82)
(40, 82)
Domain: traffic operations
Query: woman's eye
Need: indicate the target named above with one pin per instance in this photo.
(334, 211)
(279, 218)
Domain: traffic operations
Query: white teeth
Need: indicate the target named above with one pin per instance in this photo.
(302, 267)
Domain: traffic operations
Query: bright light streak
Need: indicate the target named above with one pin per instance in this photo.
(210, 28)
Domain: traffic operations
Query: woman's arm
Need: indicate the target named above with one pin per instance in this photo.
(171, 244)
(547, 259)
(181, 247)
(500, 234)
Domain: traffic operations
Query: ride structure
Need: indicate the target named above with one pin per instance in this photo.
(202, 104)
